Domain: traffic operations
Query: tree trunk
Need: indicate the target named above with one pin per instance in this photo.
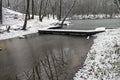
(0, 11)
(60, 14)
(33, 9)
(27, 13)
(117, 2)
(53, 8)
(40, 11)
(8, 4)
(44, 13)
(67, 13)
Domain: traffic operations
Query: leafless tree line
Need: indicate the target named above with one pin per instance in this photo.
(82, 6)
(59, 8)
(43, 10)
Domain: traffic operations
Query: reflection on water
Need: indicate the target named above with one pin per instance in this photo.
(42, 57)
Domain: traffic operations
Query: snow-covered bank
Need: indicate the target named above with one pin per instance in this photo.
(103, 60)
(15, 20)
(97, 16)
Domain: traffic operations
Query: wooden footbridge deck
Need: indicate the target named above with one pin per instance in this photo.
(71, 32)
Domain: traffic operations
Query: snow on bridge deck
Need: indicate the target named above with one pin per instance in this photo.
(71, 32)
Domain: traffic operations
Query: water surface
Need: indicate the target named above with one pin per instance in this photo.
(18, 55)
(60, 55)
(92, 24)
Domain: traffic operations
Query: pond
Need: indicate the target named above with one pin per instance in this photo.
(48, 57)
(92, 24)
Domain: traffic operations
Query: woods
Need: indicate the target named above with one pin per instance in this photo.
(83, 7)
(61, 9)
(43, 11)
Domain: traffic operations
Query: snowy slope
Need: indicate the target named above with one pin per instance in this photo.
(103, 60)
(15, 20)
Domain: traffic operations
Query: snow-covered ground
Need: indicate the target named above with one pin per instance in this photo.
(15, 20)
(97, 16)
(103, 60)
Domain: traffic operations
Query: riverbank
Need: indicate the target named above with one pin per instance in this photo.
(15, 21)
(103, 60)
(95, 16)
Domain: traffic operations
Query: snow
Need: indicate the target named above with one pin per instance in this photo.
(97, 16)
(100, 29)
(88, 37)
(16, 20)
(103, 60)
(66, 30)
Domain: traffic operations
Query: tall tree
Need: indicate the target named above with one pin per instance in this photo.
(1, 11)
(8, 3)
(26, 16)
(44, 8)
(33, 10)
(53, 9)
(60, 13)
(117, 2)
(68, 13)
(40, 11)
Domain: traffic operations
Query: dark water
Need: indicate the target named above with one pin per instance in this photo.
(55, 57)
(18, 55)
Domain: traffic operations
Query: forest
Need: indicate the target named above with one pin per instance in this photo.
(52, 7)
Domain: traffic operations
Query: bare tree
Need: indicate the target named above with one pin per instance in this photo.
(40, 11)
(1, 11)
(45, 8)
(27, 13)
(117, 2)
(53, 8)
(8, 3)
(33, 10)
(60, 13)
(68, 13)
(15, 5)
(41, 16)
